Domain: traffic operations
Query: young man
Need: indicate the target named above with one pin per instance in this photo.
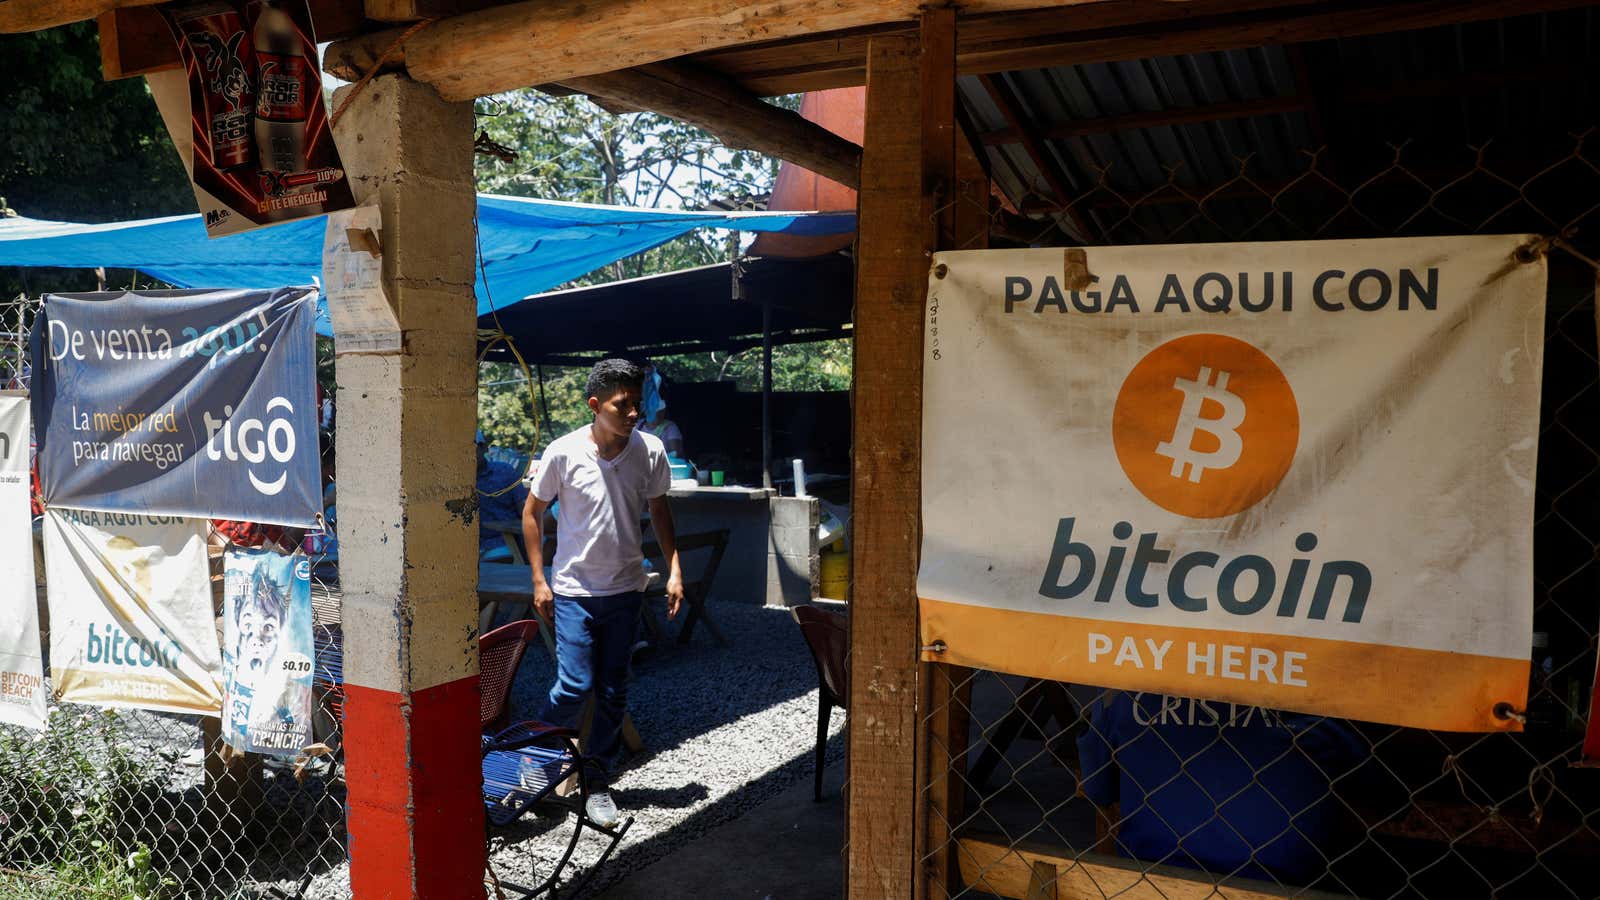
(603, 474)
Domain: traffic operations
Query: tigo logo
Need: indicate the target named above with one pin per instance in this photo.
(1205, 425)
(255, 442)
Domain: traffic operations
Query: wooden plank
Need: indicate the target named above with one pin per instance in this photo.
(839, 59)
(1210, 112)
(736, 118)
(891, 284)
(538, 41)
(412, 10)
(1105, 32)
(941, 197)
(948, 698)
(1006, 871)
(135, 40)
(1242, 31)
(17, 16)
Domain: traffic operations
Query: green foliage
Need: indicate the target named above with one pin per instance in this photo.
(570, 149)
(506, 402)
(77, 147)
(70, 799)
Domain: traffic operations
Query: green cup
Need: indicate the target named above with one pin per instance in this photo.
(718, 477)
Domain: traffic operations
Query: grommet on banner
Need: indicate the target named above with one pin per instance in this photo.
(935, 647)
(1534, 249)
(1504, 710)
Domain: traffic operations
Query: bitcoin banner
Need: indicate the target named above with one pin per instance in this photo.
(131, 619)
(1296, 475)
(22, 700)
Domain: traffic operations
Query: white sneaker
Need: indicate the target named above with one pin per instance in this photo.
(601, 809)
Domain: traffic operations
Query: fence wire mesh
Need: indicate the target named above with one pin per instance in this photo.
(138, 804)
(1030, 787)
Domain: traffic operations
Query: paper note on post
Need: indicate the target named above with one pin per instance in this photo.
(352, 278)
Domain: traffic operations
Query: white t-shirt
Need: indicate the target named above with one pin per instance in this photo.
(597, 526)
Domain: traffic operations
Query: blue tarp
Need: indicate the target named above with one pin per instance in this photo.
(529, 246)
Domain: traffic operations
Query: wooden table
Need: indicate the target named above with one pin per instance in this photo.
(511, 583)
(695, 592)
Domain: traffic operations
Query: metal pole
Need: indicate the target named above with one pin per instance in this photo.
(766, 394)
(544, 406)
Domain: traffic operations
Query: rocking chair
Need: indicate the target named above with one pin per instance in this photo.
(526, 764)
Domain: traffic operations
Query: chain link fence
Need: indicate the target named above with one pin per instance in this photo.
(139, 804)
(1028, 790)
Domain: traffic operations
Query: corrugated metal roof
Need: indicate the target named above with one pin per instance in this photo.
(1520, 82)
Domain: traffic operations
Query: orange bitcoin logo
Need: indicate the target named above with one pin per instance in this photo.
(1205, 425)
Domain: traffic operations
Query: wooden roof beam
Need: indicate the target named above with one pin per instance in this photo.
(17, 16)
(538, 41)
(680, 91)
(729, 113)
(1046, 164)
(1111, 31)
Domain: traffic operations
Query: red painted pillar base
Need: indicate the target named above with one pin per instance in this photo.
(415, 793)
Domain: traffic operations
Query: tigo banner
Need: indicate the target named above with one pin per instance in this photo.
(266, 652)
(131, 621)
(21, 670)
(1294, 475)
(179, 403)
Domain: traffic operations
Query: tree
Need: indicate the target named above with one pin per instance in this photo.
(80, 148)
(567, 148)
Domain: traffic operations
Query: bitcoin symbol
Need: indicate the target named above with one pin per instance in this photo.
(1225, 429)
(1163, 405)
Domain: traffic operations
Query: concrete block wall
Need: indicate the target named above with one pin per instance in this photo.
(794, 568)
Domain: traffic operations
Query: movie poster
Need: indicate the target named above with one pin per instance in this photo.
(266, 652)
(262, 146)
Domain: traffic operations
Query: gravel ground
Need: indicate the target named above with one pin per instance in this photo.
(725, 729)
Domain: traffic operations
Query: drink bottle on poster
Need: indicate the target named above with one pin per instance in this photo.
(262, 144)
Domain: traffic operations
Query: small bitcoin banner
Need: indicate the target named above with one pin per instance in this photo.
(22, 700)
(131, 621)
(1296, 475)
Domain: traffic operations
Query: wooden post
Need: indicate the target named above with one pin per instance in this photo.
(956, 204)
(907, 161)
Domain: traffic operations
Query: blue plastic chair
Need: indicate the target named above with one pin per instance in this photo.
(524, 763)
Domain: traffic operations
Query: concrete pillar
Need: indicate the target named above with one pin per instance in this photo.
(408, 545)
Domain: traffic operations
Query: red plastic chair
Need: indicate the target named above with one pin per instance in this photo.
(524, 763)
(827, 634)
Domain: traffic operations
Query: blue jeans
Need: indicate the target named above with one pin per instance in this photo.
(594, 642)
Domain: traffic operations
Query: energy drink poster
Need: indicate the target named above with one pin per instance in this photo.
(267, 651)
(261, 148)
(22, 699)
(1295, 475)
(131, 621)
(187, 403)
